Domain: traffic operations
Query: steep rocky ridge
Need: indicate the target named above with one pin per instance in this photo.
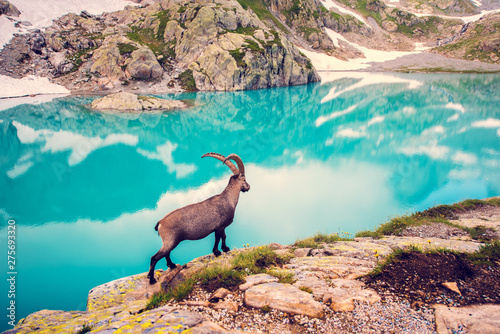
(480, 42)
(204, 45)
(175, 45)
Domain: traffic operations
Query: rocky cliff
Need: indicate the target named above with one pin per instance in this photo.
(202, 45)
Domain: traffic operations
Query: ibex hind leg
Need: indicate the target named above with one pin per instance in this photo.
(162, 253)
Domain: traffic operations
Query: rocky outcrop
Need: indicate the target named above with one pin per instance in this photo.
(132, 103)
(150, 48)
(283, 297)
(6, 8)
(478, 41)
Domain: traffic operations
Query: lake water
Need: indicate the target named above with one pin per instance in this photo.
(86, 189)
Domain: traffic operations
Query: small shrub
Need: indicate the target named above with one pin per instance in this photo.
(284, 277)
(319, 238)
(220, 277)
(306, 289)
(187, 81)
(178, 293)
(265, 309)
(85, 329)
(257, 260)
(125, 48)
(487, 254)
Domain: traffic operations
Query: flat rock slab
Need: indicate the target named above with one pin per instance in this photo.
(285, 298)
(403, 242)
(129, 102)
(475, 319)
(332, 266)
(128, 318)
(257, 279)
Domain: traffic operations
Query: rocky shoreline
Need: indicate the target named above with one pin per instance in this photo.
(325, 294)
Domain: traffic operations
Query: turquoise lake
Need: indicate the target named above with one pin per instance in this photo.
(86, 189)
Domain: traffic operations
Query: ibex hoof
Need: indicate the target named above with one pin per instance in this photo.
(225, 250)
(152, 280)
(217, 253)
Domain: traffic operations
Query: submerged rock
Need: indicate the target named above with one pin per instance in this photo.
(130, 102)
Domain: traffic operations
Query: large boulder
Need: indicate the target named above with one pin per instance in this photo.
(105, 61)
(143, 65)
(8, 9)
(285, 298)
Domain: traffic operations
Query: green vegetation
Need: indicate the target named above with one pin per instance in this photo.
(253, 261)
(307, 31)
(76, 58)
(238, 55)
(320, 238)
(262, 12)
(265, 309)
(187, 81)
(306, 289)
(282, 276)
(85, 329)
(126, 48)
(487, 254)
(438, 214)
(253, 46)
(244, 30)
(180, 292)
(225, 277)
(163, 16)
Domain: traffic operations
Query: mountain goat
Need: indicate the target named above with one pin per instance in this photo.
(196, 221)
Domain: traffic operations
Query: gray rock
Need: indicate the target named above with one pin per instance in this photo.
(478, 319)
(285, 298)
(301, 252)
(389, 26)
(38, 43)
(257, 279)
(144, 65)
(6, 8)
(60, 62)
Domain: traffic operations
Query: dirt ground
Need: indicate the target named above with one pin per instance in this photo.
(418, 278)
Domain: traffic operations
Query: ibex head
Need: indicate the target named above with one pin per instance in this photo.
(238, 173)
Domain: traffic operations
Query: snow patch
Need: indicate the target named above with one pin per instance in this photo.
(30, 85)
(324, 63)
(331, 4)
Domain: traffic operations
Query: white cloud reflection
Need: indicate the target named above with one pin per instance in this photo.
(164, 154)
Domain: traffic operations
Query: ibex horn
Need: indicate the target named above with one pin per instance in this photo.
(241, 167)
(220, 157)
